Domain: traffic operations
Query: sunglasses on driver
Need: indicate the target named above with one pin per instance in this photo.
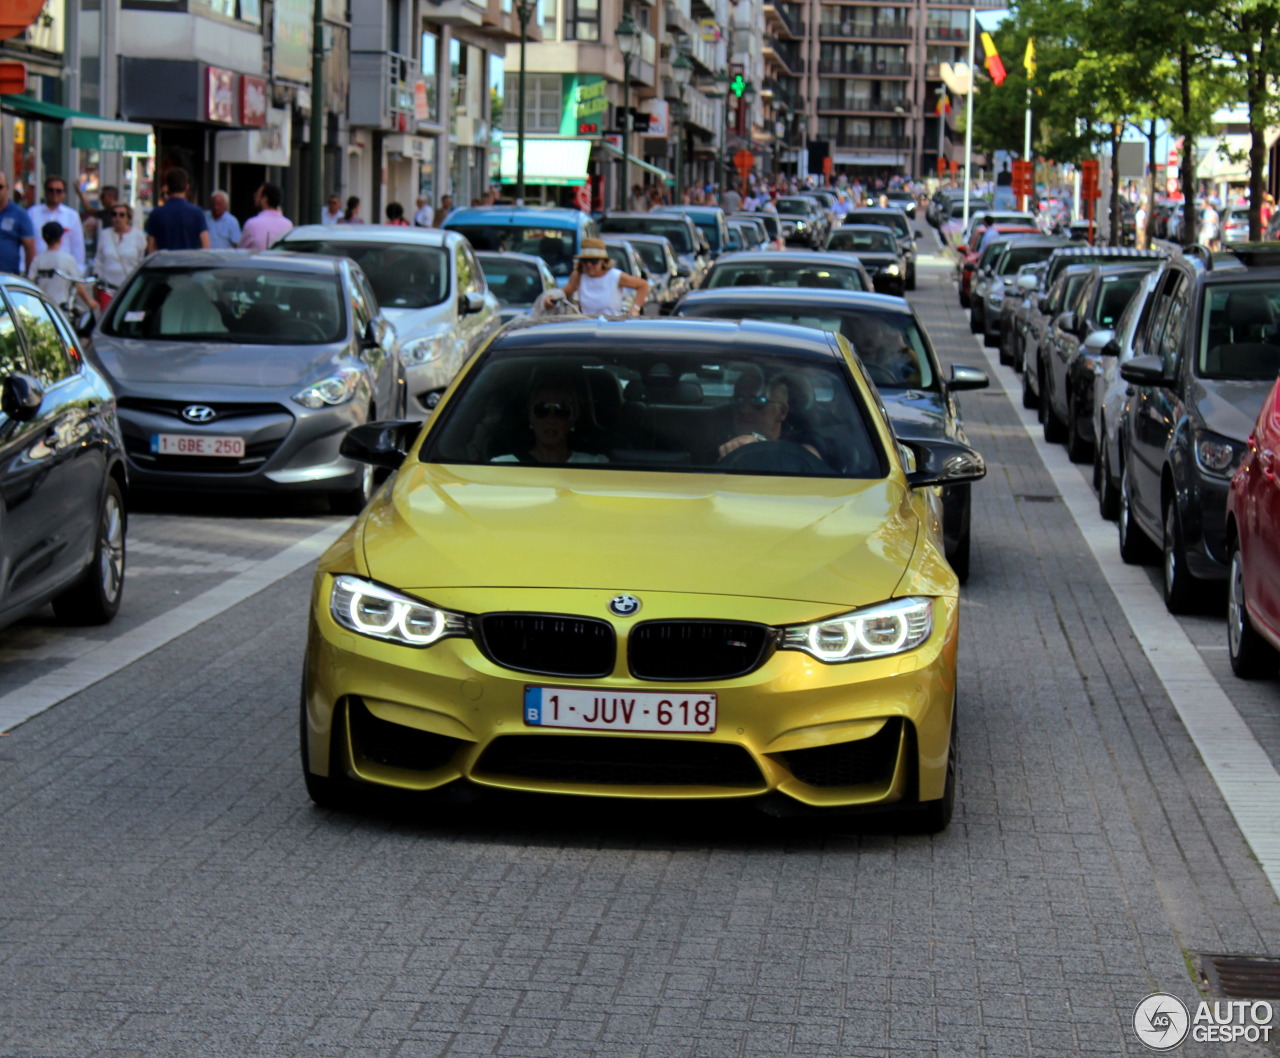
(547, 410)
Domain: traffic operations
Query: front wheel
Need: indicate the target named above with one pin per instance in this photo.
(1029, 399)
(1179, 586)
(95, 598)
(1135, 548)
(1108, 490)
(1078, 449)
(1054, 428)
(1252, 656)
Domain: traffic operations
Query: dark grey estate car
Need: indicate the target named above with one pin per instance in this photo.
(242, 372)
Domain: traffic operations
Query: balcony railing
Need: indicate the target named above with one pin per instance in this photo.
(864, 106)
(896, 143)
(788, 54)
(834, 28)
(945, 33)
(865, 66)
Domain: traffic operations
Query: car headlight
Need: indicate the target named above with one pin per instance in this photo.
(893, 270)
(1218, 455)
(371, 610)
(995, 297)
(424, 350)
(801, 226)
(332, 391)
(873, 632)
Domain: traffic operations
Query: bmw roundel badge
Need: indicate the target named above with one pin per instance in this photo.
(624, 605)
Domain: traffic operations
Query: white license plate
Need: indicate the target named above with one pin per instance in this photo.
(591, 710)
(185, 444)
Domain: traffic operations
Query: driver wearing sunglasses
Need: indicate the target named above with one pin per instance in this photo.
(553, 416)
(760, 412)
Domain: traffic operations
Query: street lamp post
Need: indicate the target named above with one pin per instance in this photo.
(628, 38)
(682, 72)
(524, 10)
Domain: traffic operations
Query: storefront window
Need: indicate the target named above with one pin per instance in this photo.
(431, 74)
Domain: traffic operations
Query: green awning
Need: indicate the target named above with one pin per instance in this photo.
(88, 131)
(561, 163)
(640, 163)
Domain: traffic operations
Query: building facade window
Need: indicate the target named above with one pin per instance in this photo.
(542, 104)
(431, 74)
(497, 91)
(582, 20)
(550, 12)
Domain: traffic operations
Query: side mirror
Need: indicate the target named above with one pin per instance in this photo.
(1096, 344)
(1043, 305)
(384, 444)
(371, 337)
(684, 271)
(470, 302)
(1068, 322)
(21, 397)
(1112, 347)
(943, 463)
(1145, 371)
(1027, 282)
(967, 378)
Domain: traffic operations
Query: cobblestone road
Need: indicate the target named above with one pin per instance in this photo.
(168, 890)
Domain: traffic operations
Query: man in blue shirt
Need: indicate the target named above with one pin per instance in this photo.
(177, 225)
(16, 234)
(224, 229)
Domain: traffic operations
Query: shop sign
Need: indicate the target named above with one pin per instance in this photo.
(585, 102)
(220, 95)
(291, 41)
(421, 108)
(97, 140)
(659, 118)
(709, 30)
(253, 101)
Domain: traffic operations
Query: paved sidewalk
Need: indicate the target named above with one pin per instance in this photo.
(168, 890)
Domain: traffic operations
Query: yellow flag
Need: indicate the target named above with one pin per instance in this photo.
(1029, 59)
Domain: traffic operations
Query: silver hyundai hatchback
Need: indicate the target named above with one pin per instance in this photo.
(242, 372)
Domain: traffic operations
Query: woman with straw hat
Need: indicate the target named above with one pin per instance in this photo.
(597, 285)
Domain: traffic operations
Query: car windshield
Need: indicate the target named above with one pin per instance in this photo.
(677, 231)
(1239, 331)
(403, 276)
(895, 220)
(735, 239)
(653, 255)
(637, 409)
(892, 346)
(513, 282)
(556, 246)
(866, 241)
(1113, 297)
(796, 204)
(247, 304)
(1019, 254)
(618, 255)
(783, 274)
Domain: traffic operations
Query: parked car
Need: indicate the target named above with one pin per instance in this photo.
(876, 248)
(710, 221)
(1235, 224)
(749, 234)
(242, 372)
(992, 282)
(978, 255)
(517, 280)
(667, 280)
(768, 221)
(715, 592)
(1071, 362)
(1110, 393)
(553, 234)
(796, 268)
(899, 357)
(1060, 297)
(1253, 549)
(1204, 361)
(63, 483)
(691, 249)
(428, 283)
(897, 220)
(952, 228)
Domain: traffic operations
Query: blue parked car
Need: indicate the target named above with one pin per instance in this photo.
(553, 234)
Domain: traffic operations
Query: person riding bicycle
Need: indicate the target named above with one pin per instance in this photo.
(54, 270)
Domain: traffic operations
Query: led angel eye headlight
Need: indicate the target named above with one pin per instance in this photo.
(371, 610)
(873, 632)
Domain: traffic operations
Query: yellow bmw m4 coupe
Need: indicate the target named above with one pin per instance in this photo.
(676, 559)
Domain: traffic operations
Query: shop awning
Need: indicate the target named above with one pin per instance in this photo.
(562, 163)
(88, 131)
(640, 163)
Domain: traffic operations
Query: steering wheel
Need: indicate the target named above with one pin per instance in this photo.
(781, 457)
(307, 330)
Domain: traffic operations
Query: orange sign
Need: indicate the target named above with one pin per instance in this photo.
(827, 165)
(17, 15)
(13, 78)
(744, 160)
(1089, 180)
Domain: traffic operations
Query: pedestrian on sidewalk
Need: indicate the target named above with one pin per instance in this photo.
(121, 249)
(17, 240)
(52, 260)
(178, 224)
(332, 211)
(224, 229)
(424, 216)
(446, 207)
(351, 215)
(269, 225)
(395, 215)
(54, 207)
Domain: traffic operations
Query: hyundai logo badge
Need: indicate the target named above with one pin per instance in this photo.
(199, 413)
(624, 605)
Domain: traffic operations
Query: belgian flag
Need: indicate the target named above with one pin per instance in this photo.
(993, 63)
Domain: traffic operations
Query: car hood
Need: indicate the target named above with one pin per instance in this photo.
(409, 323)
(131, 361)
(875, 260)
(834, 541)
(1229, 406)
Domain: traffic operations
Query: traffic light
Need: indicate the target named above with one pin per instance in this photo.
(738, 85)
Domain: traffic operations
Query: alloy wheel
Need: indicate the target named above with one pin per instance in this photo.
(111, 552)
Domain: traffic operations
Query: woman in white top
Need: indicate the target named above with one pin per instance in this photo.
(597, 285)
(120, 248)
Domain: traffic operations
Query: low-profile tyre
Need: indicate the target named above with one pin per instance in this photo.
(1252, 657)
(1078, 449)
(1135, 548)
(959, 558)
(95, 598)
(911, 279)
(1054, 429)
(353, 501)
(990, 340)
(975, 320)
(1108, 489)
(1006, 350)
(1029, 399)
(964, 300)
(1179, 585)
(933, 817)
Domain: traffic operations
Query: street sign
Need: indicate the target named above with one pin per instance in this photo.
(744, 160)
(1089, 188)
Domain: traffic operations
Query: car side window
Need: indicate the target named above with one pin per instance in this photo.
(1170, 348)
(12, 362)
(360, 309)
(463, 267)
(1148, 340)
(477, 284)
(50, 359)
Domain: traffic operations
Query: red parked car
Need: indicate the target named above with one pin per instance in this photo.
(971, 253)
(1253, 543)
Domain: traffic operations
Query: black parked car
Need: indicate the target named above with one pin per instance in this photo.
(897, 220)
(897, 353)
(1066, 399)
(1205, 358)
(63, 486)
